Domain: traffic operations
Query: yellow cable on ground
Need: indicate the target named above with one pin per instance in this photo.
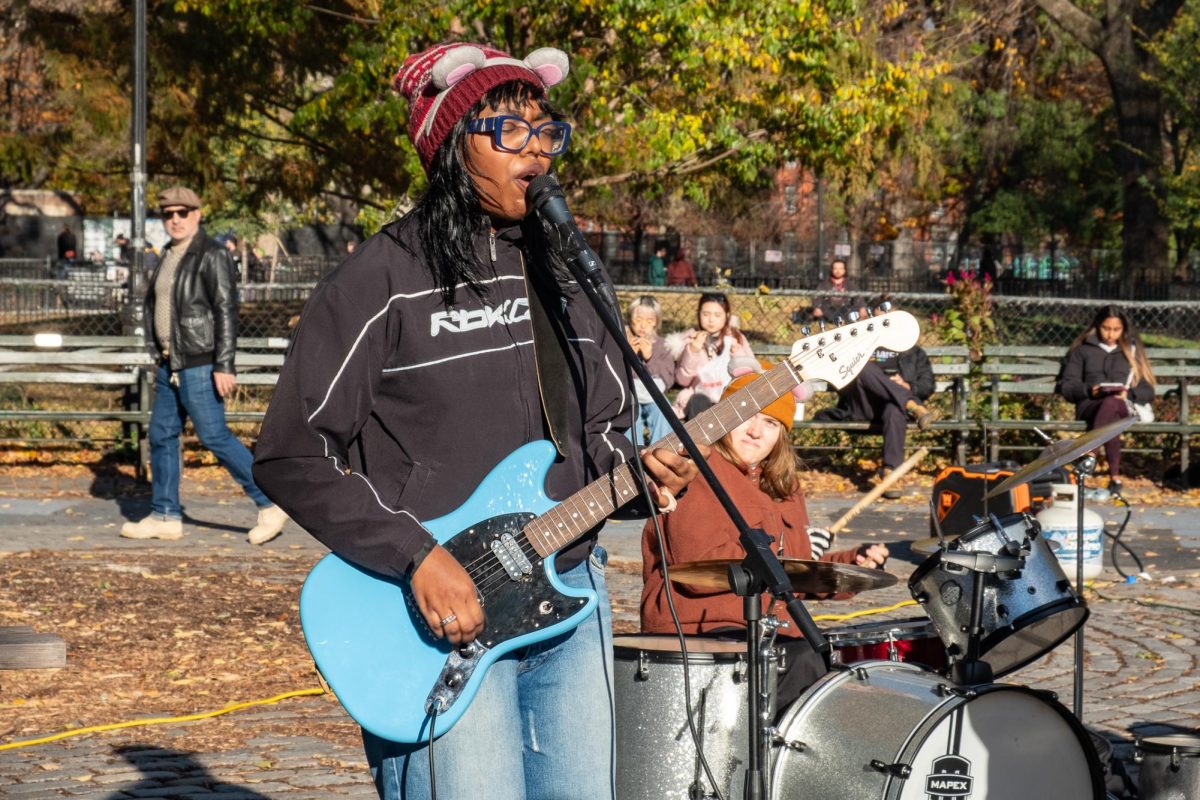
(161, 720)
(864, 613)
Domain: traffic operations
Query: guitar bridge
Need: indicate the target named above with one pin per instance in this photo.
(508, 552)
(459, 667)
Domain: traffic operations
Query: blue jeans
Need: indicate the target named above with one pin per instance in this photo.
(652, 418)
(540, 727)
(195, 397)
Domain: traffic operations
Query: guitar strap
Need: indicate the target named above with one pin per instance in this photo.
(550, 354)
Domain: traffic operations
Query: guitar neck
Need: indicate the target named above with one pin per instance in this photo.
(596, 502)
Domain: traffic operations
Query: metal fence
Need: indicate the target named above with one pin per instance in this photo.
(85, 303)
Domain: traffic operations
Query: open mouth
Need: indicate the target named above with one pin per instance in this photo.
(528, 175)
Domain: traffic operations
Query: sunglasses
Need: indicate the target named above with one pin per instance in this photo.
(182, 213)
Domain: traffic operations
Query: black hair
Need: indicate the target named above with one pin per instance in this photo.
(449, 213)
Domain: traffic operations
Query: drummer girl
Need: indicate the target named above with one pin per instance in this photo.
(755, 464)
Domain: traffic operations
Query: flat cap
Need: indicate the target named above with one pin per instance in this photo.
(178, 196)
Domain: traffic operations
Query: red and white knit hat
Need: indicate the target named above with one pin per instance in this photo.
(443, 82)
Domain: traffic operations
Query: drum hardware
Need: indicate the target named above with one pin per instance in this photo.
(902, 771)
(1057, 454)
(1015, 615)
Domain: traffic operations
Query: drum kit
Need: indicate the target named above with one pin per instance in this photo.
(909, 710)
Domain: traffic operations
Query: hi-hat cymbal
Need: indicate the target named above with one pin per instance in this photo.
(928, 547)
(1062, 452)
(809, 577)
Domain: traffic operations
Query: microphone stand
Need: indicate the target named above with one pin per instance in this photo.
(1083, 468)
(761, 570)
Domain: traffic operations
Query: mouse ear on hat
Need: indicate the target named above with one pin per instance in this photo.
(456, 64)
(550, 63)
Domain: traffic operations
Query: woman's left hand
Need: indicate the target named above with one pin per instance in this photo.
(872, 556)
(671, 471)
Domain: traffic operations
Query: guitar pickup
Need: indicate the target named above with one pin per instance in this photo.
(511, 557)
(459, 667)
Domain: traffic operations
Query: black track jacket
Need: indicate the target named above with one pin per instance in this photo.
(392, 407)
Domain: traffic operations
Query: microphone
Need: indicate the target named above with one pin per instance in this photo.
(544, 196)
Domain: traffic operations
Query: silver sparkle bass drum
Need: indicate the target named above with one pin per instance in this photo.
(893, 731)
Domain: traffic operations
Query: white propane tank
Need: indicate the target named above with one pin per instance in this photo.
(1060, 523)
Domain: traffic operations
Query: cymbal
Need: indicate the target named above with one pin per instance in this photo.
(809, 577)
(1062, 452)
(928, 547)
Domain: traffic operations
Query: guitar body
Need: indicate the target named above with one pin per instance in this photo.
(372, 645)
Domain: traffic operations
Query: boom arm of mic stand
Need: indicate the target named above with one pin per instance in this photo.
(760, 561)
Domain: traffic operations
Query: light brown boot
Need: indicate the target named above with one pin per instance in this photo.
(270, 524)
(153, 527)
(922, 415)
(892, 492)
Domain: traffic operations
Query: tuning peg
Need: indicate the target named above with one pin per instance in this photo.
(853, 316)
(885, 306)
(838, 322)
(821, 325)
(805, 330)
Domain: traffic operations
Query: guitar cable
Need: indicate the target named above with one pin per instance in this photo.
(638, 469)
(432, 769)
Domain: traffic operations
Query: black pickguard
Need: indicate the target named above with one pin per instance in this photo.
(512, 608)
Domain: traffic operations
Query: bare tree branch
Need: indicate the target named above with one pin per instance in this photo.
(1087, 29)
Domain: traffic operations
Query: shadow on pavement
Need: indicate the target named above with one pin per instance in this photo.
(175, 774)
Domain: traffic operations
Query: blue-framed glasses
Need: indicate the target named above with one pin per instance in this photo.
(511, 134)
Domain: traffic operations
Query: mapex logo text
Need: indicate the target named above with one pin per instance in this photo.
(950, 780)
(462, 320)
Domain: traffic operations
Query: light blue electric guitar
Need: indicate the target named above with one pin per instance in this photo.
(373, 647)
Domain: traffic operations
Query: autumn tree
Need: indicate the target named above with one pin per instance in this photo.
(1122, 35)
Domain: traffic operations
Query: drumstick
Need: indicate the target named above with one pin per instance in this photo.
(883, 486)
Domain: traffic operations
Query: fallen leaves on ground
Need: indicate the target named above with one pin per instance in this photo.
(152, 635)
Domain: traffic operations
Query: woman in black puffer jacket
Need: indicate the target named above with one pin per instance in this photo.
(1105, 370)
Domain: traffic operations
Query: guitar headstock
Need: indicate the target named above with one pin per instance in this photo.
(837, 354)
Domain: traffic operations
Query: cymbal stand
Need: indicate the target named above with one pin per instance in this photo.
(1083, 468)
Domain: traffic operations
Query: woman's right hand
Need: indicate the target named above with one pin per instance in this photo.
(442, 588)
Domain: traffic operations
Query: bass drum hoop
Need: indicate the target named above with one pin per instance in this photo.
(1026, 621)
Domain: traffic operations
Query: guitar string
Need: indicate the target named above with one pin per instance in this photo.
(489, 573)
(497, 573)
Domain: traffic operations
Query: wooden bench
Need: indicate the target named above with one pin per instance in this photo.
(120, 364)
(1028, 372)
(951, 366)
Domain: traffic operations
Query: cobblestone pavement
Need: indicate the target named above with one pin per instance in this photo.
(1140, 668)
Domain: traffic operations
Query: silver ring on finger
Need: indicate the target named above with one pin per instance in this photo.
(449, 619)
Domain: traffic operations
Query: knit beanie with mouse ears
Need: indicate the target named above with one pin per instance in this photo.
(442, 83)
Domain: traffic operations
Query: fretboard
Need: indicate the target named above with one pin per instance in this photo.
(596, 502)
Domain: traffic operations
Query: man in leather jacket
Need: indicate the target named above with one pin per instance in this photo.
(191, 331)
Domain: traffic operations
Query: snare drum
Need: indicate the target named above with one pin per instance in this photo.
(1025, 615)
(887, 730)
(656, 757)
(912, 640)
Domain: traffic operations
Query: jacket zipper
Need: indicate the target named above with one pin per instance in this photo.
(558, 445)
(492, 248)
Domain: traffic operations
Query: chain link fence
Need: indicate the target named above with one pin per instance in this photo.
(87, 304)
(87, 300)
